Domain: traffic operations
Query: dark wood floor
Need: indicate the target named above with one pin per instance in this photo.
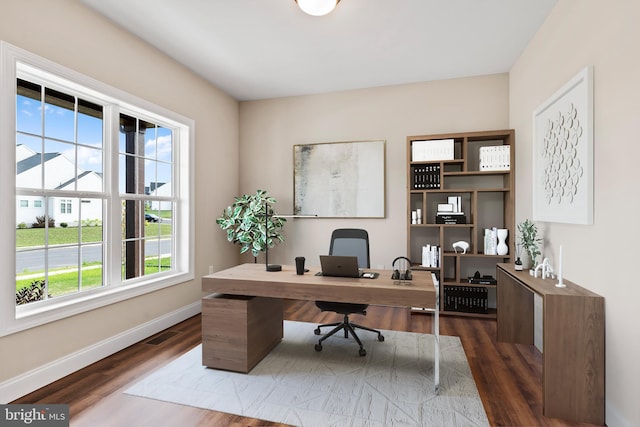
(508, 376)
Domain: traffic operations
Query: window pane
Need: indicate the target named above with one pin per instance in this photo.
(29, 108)
(28, 161)
(90, 176)
(89, 123)
(150, 182)
(30, 222)
(128, 127)
(164, 180)
(133, 224)
(149, 130)
(28, 146)
(59, 115)
(91, 220)
(62, 263)
(92, 266)
(158, 257)
(131, 175)
(59, 165)
(165, 144)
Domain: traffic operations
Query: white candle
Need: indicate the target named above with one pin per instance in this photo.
(560, 284)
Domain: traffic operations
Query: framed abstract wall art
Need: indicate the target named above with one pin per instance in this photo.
(563, 154)
(340, 179)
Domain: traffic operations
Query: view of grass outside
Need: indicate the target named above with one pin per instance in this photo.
(66, 280)
(58, 236)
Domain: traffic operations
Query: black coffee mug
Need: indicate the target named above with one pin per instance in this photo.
(299, 265)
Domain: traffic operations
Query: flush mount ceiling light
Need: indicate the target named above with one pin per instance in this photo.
(317, 7)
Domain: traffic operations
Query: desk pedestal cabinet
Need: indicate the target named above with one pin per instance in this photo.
(238, 331)
(573, 340)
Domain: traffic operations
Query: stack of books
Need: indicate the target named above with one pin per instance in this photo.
(431, 256)
(434, 149)
(451, 212)
(426, 177)
(472, 299)
(495, 158)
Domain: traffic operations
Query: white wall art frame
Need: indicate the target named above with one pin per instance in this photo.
(340, 179)
(563, 153)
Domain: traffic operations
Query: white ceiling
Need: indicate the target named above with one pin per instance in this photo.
(256, 49)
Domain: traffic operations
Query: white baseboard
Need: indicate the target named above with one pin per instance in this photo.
(28, 382)
(613, 418)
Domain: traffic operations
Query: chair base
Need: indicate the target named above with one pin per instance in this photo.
(348, 328)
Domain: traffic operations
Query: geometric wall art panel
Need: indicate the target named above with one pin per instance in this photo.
(563, 154)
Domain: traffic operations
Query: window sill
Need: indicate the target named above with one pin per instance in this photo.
(28, 317)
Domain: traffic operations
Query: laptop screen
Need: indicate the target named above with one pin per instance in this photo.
(339, 266)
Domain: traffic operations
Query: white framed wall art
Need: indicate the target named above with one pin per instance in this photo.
(563, 153)
(340, 179)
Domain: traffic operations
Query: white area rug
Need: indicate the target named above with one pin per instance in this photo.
(391, 386)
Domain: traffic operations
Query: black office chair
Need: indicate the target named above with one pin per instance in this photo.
(350, 242)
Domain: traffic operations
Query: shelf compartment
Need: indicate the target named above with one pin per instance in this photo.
(473, 151)
(421, 236)
(468, 299)
(462, 181)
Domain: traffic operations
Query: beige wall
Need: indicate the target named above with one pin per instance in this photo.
(270, 128)
(577, 33)
(70, 34)
(600, 257)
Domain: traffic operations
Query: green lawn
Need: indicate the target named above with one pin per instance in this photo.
(61, 283)
(67, 282)
(26, 237)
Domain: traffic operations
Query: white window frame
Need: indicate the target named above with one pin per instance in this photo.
(17, 318)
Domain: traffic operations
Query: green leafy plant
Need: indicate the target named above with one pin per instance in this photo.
(529, 238)
(42, 220)
(34, 292)
(248, 225)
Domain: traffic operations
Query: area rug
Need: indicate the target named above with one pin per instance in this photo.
(391, 386)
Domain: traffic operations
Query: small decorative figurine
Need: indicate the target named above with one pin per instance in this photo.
(462, 245)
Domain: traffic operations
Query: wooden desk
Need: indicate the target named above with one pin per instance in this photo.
(252, 280)
(573, 340)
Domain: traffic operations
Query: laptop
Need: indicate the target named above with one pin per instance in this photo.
(339, 266)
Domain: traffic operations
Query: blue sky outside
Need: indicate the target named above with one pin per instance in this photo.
(59, 130)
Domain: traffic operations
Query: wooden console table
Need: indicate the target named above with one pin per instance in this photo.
(573, 354)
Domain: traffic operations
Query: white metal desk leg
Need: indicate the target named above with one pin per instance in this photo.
(436, 334)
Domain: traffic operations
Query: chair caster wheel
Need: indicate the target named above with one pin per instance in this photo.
(318, 347)
(380, 338)
(362, 352)
(316, 331)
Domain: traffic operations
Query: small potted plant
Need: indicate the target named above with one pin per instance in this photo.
(249, 225)
(529, 240)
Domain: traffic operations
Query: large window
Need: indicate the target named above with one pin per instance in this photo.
(102, 202)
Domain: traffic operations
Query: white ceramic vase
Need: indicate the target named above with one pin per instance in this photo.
(502, 248)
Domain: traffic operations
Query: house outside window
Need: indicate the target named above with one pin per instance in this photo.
(86, 154)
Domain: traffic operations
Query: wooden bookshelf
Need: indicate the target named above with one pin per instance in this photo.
(487, 198)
